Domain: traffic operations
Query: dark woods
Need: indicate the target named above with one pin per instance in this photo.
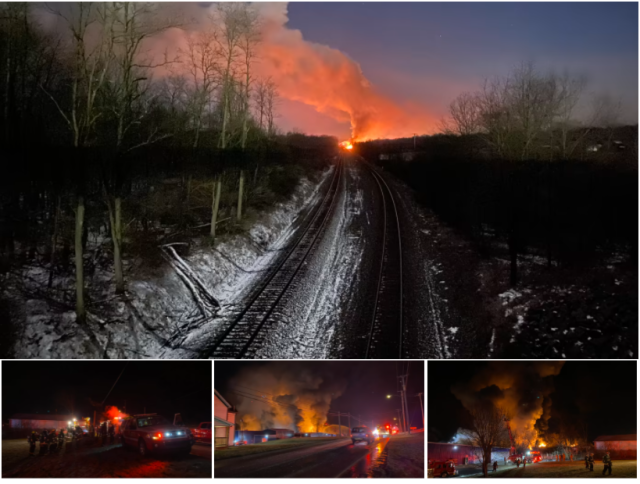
(104, 159)
(573, 213)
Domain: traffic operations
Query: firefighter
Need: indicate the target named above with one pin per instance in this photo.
(591, 462)
(32, 439)
(524, 462)
(495, 466)
(52, 439)
(518, 462)
(103, 433)
(61, 439)
(586, 461)
(112, 433)
(606, 460)
(43, 443)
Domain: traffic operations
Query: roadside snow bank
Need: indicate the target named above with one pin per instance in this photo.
(159, 317)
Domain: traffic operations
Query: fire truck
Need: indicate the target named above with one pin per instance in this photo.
(442, 468)
(513, 453)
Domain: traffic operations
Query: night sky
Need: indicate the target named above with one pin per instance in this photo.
(66, 387)
(367, 385)
(603, 393)
(430, 52)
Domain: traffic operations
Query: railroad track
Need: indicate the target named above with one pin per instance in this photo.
(243, 337)
(386, 333)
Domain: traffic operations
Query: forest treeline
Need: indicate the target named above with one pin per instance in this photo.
(109, 151)
(514, 169)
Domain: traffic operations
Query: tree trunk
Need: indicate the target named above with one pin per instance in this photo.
(217, 190)
(117, 246)
(81, 315)
(54, 243)
(240, 195)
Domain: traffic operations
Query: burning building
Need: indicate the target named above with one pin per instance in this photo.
(521, 391)
(282, 396)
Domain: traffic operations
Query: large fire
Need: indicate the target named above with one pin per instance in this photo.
(346, 145)
(114, 414)
(281, 396)
(521, 390)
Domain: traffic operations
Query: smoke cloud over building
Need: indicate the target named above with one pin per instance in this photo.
(281, 395)
(522, 390)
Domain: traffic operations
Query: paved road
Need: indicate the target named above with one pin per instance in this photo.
(92, 460)
(335, 459)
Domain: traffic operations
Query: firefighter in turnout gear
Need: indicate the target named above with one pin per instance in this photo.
(32, 439)
(606, 460)
(591, 461)
(112, 433)
(52, 440)
(43, 442)
(61, 439)
(586, 461)
(103, 433)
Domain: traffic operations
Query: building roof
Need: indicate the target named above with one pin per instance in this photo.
(616, 438)
(222, 423)
(46, 416)
(227, 404)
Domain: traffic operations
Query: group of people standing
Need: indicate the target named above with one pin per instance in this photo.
(589, 460)
(51, 441)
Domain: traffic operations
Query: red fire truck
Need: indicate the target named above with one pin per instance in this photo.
(442, 468)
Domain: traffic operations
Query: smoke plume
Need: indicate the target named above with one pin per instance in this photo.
(522, 390)
(282, 395)
(332, 83)
(303, 71)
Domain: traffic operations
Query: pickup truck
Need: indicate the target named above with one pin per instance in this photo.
(203, 432)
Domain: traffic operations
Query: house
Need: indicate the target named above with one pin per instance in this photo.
(462, 454)
(619, 446)
(224, 415)
(45, 421)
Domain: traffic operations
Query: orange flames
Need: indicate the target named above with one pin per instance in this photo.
(346, 145)
(112, 413)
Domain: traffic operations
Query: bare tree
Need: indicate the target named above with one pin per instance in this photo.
(89, 64)
(488, 424)
(202, 59)
(465, 114)
(231, 18)
(127, 25)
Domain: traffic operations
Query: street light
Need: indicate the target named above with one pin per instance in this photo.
(388, 396)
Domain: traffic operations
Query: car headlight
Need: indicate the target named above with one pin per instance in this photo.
(168, 434)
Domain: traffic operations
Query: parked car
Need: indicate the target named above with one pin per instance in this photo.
(442, 469)
(202, 433)
(240, 442)
(362, 433)
(153, 433)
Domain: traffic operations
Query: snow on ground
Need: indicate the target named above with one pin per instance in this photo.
(315, 309)
(158, 318)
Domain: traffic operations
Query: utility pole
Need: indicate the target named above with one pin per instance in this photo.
(421, 408)
(399, 419)
(405, 406)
